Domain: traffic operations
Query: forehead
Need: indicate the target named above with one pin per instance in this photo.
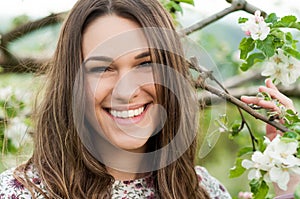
(112, 36)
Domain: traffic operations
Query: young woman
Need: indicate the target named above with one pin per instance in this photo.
(118, 118)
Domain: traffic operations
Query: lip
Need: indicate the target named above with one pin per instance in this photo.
(132, 120)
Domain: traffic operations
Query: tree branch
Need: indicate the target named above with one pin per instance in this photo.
(24, 65)
(8, 62)
(208, 98)
(241, 104)
(235, 6)
(30, 27)
(201, 83)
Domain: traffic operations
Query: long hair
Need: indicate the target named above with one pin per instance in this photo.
(66, 167)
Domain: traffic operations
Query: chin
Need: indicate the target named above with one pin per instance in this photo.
(132, 145)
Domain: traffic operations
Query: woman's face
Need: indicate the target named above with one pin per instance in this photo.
(121, 92)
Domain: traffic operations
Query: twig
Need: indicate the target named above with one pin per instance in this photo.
(292, 91)
(242, 105)
(30, 27)
(210, 75)
(21, 65)
(235, 6)
(8, 61)
(201, 84)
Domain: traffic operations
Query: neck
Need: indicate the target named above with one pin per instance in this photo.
(122, 176)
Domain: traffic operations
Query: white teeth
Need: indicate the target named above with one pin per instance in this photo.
(124, 114)
(127, 114)
(118, 114)
(131, 113)
(136, 111)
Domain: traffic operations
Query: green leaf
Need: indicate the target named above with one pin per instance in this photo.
(186, 1)
(266, 96)
(261, 144)
(289, 38)
(288, 19)
(173, 7)
(267, 46)
(278, 37)
(251, 60)
(271, 18)
(290, 111)
(297, 192)
(235, 128)
(11, 112)
(290, 136)
(287, 22)
(262, 190)
(292, 52)
(244, 151)
(242, 20)
(237, 170)
(223, 118)
(254, 185)
(295, 127)
(246, 45)
(291, 118)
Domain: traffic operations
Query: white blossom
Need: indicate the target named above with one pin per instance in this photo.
(5, 93)
(282, 68)
(259, 161)
(293, 69)
(278, 161)
(256, 27)
(17, 131)
(282, 152)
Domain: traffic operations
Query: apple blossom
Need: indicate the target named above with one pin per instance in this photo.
(256, 27)
(282, 68)
(258, 162)
(278, 161)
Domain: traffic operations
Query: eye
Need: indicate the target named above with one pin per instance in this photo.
(146, 64)
(100, 69)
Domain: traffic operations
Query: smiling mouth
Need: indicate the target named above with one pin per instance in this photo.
(126, 114)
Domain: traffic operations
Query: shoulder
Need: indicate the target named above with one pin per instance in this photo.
(12, 187)
(214, 188)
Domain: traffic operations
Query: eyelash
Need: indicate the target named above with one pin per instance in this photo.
(145, 64)
(102, 69)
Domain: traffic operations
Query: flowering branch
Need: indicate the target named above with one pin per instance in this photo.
(292, 91)
(200, 83)
(240, 104)
(235, 6)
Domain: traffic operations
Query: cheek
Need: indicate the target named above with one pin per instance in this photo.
(150, 89)
(99, 89)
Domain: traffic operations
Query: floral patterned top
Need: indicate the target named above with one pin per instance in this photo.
(11, 188)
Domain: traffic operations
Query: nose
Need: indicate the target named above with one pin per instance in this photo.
(126, 88)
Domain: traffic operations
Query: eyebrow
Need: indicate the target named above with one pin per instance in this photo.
(109, 59)
(99, 58)
(142, 55)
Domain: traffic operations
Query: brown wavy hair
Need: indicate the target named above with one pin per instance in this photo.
(65, 166)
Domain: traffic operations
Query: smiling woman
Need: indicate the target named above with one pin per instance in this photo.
(113, 81)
